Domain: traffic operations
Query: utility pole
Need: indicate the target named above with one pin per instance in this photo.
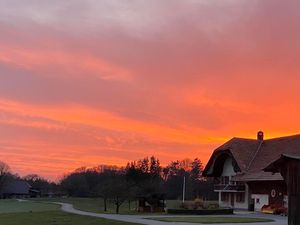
(183, 190)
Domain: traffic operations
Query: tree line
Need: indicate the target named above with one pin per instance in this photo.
(44, 186)
(143, 179)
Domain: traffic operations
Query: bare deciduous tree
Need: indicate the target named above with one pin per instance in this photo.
(4, 171)
(4, 168)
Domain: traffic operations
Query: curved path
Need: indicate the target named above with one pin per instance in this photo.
(142, 219)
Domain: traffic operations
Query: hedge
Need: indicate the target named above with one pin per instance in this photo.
(201, 211)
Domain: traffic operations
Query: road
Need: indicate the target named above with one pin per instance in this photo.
(142, 219)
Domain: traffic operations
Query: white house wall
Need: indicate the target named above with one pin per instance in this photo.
(228, 169)
(224, 204)
(259, 201)
(245, 204)
(237, 205)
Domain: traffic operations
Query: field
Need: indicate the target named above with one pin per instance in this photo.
(209, 220)
(13, 212)
(96, 204)
(53, 218)
(14, 206)
(93, 204)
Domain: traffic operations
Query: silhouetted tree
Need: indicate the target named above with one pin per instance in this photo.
(103, 188)
(143, 165)
(76, 185)
(41, 184)
(114, 187)
(196, 170)
(155, 168)
(4, 174)
(174, 176)
(119, 191)
(144, 179)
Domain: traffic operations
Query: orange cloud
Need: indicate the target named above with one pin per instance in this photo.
(122, 84)
(84, 115)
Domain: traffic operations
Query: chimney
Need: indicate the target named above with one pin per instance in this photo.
(260, 136)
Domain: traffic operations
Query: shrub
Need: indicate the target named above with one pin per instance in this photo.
(201, 211)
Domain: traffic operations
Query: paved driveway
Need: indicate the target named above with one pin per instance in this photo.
(141, 219)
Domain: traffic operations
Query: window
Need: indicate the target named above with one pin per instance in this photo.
(240, 197)
(224, 197)
(257, 201)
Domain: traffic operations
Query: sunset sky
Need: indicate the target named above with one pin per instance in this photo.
(88, 82)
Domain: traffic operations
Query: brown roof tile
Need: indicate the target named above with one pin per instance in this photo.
(252, 156)
(242, 150)
(272, 149)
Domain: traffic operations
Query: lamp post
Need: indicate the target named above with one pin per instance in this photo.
(183, 190)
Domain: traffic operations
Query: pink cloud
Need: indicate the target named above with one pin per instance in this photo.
(113, 81)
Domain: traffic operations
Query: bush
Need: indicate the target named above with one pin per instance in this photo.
(198, 203)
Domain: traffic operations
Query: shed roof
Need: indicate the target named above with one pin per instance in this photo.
(16, 187)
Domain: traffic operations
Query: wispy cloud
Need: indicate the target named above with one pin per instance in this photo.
(53, 62)
(84, 82)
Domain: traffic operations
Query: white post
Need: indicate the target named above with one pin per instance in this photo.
(183, 190)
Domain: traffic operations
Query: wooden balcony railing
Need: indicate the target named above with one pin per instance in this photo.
(230, 187)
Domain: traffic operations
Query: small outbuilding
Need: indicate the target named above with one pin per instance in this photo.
(151, 203)
(18, 189)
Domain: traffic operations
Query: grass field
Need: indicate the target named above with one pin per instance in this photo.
(209, 220)
(93, 205)
(13, 206)
(13, 212)
(54, 218)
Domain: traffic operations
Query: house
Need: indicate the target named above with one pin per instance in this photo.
(154, 202)
(18, 189)
(237, 167)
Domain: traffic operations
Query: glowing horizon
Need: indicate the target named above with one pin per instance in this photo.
(85, 83)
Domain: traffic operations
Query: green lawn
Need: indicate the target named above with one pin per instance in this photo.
(13, 206)
(54, 218)
(209, 220)
(13, 212)
(93, 204)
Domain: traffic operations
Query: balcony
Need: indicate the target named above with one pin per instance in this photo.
(230, 187)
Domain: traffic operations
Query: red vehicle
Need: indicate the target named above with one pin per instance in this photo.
(274, 209)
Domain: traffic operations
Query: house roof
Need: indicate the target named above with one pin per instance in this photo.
(16, 187)
(252, 156)
(274, 167)
(241, 150)
(259, 175)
